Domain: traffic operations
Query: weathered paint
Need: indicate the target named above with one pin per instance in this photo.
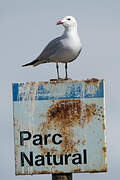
(69, 116)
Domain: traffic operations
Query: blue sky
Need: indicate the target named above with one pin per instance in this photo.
(26, 26)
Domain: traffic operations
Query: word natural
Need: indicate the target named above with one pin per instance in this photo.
(31, 159)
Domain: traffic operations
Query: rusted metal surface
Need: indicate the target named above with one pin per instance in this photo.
(59, 127)
(65, 176)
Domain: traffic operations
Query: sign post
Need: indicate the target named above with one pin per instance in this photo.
(65, 176)
(59, 127)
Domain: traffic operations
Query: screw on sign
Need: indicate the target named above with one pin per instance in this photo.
(59, 127)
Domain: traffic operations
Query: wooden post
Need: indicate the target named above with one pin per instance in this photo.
(65, 176)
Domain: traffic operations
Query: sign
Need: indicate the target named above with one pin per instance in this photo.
(59, 127)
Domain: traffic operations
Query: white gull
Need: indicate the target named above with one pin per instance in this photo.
(64, 48)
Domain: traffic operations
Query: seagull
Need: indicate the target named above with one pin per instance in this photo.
(63, 49)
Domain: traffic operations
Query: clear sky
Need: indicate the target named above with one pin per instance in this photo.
(26, 26)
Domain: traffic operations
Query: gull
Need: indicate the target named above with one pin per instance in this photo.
(63, 49)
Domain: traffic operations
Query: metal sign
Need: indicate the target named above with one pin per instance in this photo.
(59, 127)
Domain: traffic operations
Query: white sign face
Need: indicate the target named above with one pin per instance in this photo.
(59, 127)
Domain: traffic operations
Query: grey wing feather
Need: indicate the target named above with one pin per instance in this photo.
(52, 47)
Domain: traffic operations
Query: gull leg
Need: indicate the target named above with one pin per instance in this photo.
(66, 71)
(57, 69)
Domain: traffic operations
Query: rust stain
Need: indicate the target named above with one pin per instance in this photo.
(62, 172)
(56, 81)
(45, 83)
(83, 142)
(58, 172)
(33, 172)
(44, 172)
(92, 81)
(104, 149)
(41, 172)
(41, 116)
(66, 114)
(76, 170)
(104, 126)
(97, 171)
(62, 116)
(103, 116)
(70, 112)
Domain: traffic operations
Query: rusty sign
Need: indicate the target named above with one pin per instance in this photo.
(59, 127)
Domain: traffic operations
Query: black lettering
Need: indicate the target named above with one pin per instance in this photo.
(40, 161)
(22, 138)
(66, 158)
(48, 155)
(85, 156)
(45, 138)
(60, 160)
(29, 161)
(37, 141)
(78, 159)
(54, 139)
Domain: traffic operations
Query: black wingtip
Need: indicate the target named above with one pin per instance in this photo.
(24, 65)
(28, 64)
(31, 63)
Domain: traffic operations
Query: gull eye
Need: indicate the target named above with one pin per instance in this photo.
(68, 19)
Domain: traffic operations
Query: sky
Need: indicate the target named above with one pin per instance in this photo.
(26, 26)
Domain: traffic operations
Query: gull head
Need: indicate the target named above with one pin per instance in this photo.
(68, 22)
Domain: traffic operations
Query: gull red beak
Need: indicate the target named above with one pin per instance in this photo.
(59, 22)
